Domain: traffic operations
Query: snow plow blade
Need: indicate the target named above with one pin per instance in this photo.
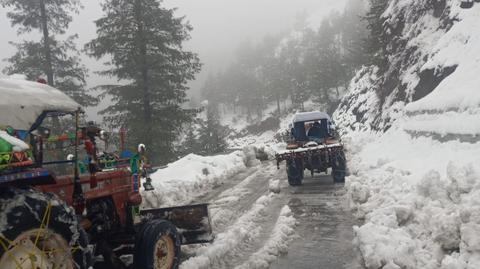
(192, 221)
(301, 153)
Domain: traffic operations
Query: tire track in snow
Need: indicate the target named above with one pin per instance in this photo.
(276, 244)
(233, 202)
(260, 232)
(229, 243)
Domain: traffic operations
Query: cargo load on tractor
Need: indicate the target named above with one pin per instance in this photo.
(66, 202)
(313, 144)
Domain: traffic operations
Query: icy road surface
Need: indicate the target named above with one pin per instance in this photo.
(300, 227)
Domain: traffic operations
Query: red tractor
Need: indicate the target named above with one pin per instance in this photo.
(66, 204)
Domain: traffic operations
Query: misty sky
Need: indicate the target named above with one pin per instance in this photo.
(219, 27)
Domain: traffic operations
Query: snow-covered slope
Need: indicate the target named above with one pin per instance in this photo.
(417, 185)
(430, 45)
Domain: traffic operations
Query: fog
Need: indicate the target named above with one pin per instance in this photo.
(219, 27)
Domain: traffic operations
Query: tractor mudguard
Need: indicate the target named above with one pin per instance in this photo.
(192, 221)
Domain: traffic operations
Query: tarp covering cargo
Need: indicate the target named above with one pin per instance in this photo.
(310, 116)
(23, 102)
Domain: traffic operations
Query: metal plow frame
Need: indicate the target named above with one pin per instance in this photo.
(192, 221)
(305, 153)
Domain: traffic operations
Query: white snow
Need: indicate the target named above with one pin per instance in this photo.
(244, 229)
(459, 46)
(451, 122)
(191, 176)
(419, 198)
(310, 116)
(276, 244)
(22, 102)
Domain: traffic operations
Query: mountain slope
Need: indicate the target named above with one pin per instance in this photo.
(413, 131)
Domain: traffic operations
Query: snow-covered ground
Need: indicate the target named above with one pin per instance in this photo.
(419, 198)
(417, 186)
(192, 176)
(244, 207)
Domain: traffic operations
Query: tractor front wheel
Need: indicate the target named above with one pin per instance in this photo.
(339, 167)
(157, 246)
(295, 172)
(40, 231)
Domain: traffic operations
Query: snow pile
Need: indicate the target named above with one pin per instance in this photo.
(454, 106)
(244, 229)
(420, 200)
(417, 186)
(191, 176)
(276, 244)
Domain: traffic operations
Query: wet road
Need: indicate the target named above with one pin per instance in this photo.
(324, 230)
(244, 212)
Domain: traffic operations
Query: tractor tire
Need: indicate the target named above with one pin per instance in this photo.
(157, 246)
(40, 230)
(339, 167)
(295, 172)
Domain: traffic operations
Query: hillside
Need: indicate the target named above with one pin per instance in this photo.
(412, 131)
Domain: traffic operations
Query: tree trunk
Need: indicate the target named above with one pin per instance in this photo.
(142, 47)
(277, 96)
(46, 43)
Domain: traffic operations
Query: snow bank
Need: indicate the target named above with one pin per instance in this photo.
(276, 244)
(244, 229)
(459, 46)
(420, 200)
(417, 186)
(191, 176)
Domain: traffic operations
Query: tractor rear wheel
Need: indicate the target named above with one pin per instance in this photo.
(339, 167)
(40, 231)
(157, 246)
(295, 172)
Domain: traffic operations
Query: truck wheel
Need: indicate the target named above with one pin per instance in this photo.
(157, 246)
(40, 231)
(295, 172)
(339, 167)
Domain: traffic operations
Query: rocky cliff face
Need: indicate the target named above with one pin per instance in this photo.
(419, 35)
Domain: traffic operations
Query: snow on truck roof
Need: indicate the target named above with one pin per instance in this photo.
(22, 102)
(310, 116)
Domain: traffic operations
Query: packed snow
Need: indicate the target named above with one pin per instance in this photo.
(419, 199)
(276, 244)
(244, 229)
(416, 187)
(191, 176)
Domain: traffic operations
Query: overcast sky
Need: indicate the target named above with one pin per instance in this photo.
(219, 26)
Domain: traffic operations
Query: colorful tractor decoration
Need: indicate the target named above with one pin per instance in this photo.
(82, 209)
(313, 145)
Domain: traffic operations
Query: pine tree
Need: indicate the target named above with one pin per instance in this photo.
(354, 32)
(57, 60)
(376, 43)
(144, 42)
(211, 134)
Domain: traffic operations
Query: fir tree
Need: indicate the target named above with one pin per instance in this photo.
(211, 134)
(57, 60)
(143, 41)
(376, 43)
